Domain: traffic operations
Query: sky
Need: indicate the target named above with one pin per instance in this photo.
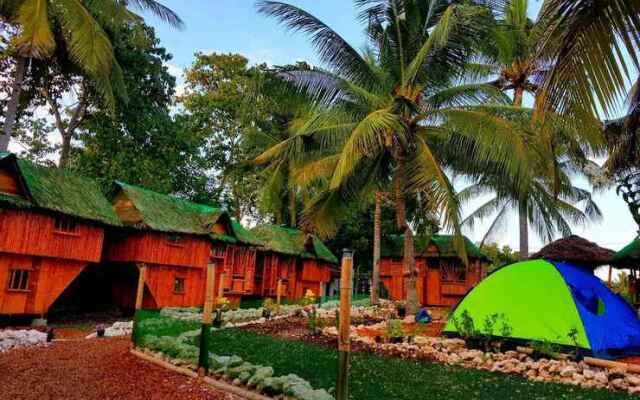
(235, 26)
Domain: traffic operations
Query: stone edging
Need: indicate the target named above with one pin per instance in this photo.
(220, 385)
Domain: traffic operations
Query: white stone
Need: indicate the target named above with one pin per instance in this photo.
(568, 371)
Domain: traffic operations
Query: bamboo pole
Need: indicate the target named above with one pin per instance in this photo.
(344, 342)
(278, 292)
(203, 359)
(142, 277)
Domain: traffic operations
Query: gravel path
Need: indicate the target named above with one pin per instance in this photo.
(93, 369)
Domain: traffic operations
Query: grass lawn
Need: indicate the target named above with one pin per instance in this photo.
(376, 377)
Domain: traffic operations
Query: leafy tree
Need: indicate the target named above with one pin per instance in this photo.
(143, 144)
(222, 105)
(499, 255)
(386, 107)
(42, 26)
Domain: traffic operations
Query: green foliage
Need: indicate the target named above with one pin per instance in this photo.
(142, 144)
(393, 329)
(500, 256)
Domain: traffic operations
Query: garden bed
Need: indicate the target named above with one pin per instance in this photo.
(375, 376)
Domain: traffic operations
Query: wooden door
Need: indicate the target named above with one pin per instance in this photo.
(432, 285)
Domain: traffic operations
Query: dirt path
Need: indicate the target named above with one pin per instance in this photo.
(93, 369)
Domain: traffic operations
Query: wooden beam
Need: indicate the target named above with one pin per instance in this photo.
(209, 295)
(344, 340)
(142, 277)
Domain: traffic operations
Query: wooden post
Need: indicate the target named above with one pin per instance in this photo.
(142, 277)
(221, 285)
(278, 292)
(207, 319)
(610, 276)
(344, 342)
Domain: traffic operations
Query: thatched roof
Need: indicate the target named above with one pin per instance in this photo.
(629, 256)
(293, 242)
(576, 250)
(165, 213)
(393, 246)
(58, 190)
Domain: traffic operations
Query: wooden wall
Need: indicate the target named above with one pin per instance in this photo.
(32, 233)
(48, 278)
(435, 285)
(297, 275)
(154, 248)
(160, 282)
(239, 267)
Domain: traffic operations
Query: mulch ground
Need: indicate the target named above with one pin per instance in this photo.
(93, 369)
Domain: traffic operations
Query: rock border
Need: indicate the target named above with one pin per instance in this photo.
(220, 385)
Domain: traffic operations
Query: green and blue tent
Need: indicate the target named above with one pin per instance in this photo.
(553, 302)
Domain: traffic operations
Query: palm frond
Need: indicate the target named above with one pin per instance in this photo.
(332, 48)
(157, 9)
(36, 37)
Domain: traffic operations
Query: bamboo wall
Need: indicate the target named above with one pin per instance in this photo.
(239, 268)
(433, 288)
(33, 233)
(48, 278)
(154, 248)
(297, 275)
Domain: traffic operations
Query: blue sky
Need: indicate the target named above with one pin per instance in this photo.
(235, 26)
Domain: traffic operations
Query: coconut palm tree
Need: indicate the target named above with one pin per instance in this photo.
(509, 56)
(386, 107)
(586, 42)
(76, 24)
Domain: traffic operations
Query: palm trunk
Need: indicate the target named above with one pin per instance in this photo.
(377, 225)
(524, 230)
(14, 101)
(292, 208)
(409, 261)
(523, 217)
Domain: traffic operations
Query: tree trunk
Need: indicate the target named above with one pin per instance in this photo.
(65, 151)
(518, 94)
(524, 230)
(408, 261)
(377, 222)
(293, 208)
(14, 101)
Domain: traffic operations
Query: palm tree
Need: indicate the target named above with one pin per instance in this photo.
(585, 42)
(388, 106)
(510, 55)
(77, 25)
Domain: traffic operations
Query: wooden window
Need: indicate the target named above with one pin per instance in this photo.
(175, 240)
(179, 285)
(453, 271)
(66, 225)
(19, 280)
(218, 251)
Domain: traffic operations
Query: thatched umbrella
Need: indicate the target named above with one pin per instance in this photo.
(576, 250)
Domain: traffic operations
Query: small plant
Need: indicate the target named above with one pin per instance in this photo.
(465, 325)
(544, 349)
(308, 299)
(393, 330)
(573, 337)
(222, 303)
(313, 320)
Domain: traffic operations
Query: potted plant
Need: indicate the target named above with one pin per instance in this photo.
(401, 310)
(393, 331)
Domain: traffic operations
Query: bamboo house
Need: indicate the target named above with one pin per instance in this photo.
(443, 279)
(53, 224)
(176, 240)
(298, 260)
